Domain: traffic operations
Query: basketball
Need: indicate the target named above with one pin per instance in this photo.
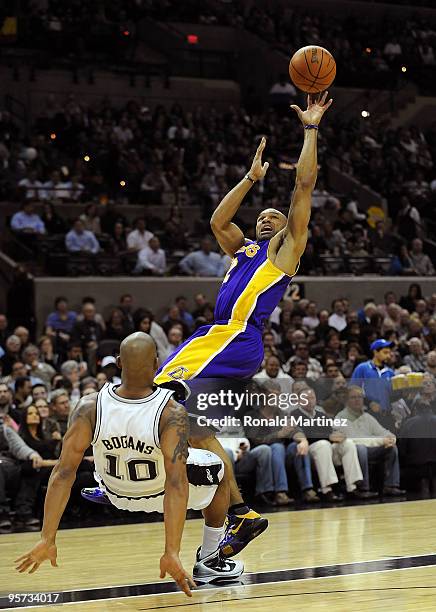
(312, 69)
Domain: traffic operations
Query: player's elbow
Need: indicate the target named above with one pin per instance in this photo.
(305, 184)
(215, 225)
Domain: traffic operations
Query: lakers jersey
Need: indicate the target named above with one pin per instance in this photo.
(252, 287)
(127, 455)
(232, 346)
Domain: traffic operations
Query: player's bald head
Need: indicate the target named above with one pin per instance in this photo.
(137, 354)
(269, 222)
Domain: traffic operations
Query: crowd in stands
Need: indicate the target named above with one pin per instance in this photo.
(375, 52)
(307, 349)
(115, 156)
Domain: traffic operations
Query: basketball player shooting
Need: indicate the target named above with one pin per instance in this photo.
(255, 283)
(139, 436)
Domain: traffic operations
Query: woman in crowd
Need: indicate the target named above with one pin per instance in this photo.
(54, 224)
(32, 433)
(144, 321)
(47, 354)
(91, 219)
(117, 327)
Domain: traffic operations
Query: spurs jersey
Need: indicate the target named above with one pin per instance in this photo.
(128, 459)
(129, 463)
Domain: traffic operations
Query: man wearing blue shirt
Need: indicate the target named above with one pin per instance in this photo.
(374, 376)
(79, 240)
(27, 221)
(203, 262)
(61, 319)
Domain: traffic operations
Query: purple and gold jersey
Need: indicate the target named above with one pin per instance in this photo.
(232, 347)
(252, 287)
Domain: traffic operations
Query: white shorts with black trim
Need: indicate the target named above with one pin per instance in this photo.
(205, 471)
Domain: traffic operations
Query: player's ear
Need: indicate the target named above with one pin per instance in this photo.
(119, 365)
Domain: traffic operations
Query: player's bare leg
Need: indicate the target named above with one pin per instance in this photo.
(211, 566)
(244, 524)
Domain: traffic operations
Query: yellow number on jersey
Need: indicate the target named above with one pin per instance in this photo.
(233, 264)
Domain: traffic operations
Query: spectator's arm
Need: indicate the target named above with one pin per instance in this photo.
(16, 223)
(163, 263)
(95, 245)
(17, 447)
(131, 243)
(186, 264)
(40, 227)
(356, 377)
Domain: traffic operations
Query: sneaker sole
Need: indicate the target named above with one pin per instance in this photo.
(230, 550)
(96, 500)
(217, 580)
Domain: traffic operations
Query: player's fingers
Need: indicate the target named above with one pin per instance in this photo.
(184, 585)
(329, 103)
(261, 147)
(34, 568)
(24, 566)
(21, 558)
(162, 573)
(54, 563)
(264, 169)
(191, 581)
(297, 109)
(323, 98)
(308, 100)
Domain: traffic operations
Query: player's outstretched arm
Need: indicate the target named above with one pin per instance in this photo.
(76, 441)
(294, 237)
(228, 234)
(174, 445)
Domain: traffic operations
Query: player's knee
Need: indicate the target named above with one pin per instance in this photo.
(263, 451)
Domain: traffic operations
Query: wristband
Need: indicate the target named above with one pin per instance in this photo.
(310, 126)
(248, 177)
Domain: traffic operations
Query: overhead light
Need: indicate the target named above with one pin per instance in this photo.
(365, 114)
(86, 158)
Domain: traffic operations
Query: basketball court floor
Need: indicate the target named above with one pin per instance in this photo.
(366, 557)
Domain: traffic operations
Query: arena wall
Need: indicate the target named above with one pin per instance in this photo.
(158, 293)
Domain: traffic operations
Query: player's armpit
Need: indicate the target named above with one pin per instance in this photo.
(229, 236)
(86, 409)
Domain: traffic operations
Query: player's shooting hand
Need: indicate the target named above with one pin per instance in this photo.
(43, 551)
(258, 170)
(316, 107)
(171, 564)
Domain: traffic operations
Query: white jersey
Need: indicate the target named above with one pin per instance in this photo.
(129, 463)
(127, 455)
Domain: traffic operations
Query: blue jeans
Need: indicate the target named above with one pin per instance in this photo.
(389, 456)
(302, 467)
(301, 463)
(259, 460)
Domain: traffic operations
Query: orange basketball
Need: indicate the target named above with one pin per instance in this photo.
(312, 69)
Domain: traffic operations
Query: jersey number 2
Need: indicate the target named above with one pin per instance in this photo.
(136, 469)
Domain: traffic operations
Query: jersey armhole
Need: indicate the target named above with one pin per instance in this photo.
(158, 416)
(97, 418)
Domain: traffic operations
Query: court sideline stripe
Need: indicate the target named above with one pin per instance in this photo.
(269, 577)
(345, 591)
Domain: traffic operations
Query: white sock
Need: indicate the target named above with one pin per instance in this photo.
(212, 536)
